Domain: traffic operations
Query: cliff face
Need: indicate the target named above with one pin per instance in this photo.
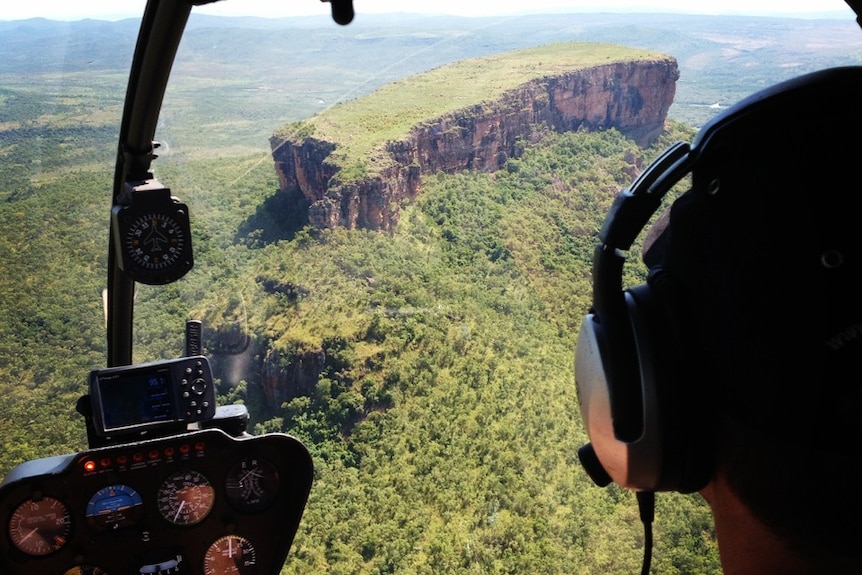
(633, 97)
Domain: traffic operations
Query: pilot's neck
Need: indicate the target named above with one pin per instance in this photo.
(745, 545)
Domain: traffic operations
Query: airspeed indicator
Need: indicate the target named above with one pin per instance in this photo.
(185, 498)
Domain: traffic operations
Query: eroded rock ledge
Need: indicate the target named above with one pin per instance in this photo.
(633, 97)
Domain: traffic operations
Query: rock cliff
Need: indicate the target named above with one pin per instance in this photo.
(631, 96)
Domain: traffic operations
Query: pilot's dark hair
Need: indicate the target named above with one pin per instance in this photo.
(764, 256)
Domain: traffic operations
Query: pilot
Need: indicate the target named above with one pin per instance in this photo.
(735, 370)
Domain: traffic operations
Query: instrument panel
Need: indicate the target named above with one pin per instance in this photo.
(199, 503)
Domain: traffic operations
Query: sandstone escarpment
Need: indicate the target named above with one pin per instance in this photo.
(632, 96)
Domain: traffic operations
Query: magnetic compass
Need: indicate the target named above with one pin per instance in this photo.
(155, 241)
(152, 236)
(252, 484)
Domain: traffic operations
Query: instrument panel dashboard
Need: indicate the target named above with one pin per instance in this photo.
(197, 503)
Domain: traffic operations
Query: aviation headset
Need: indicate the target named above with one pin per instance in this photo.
(645, 412)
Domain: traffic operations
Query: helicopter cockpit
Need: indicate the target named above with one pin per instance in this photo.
(177, 481)
(170, 484)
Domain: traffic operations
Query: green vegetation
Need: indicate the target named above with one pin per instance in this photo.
(360, 128)
(443, 423)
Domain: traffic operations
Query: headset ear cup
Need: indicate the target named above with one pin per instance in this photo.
(673, 402)
(605, 457)
(648, 426)
(618, 392)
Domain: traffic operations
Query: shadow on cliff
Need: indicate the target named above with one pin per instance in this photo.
(279, 217)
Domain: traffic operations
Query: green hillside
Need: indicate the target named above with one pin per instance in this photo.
(444, 424)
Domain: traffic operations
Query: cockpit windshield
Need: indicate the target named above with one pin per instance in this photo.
(392, 225)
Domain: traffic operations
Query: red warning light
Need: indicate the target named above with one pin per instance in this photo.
(105, 462)
(89, 466)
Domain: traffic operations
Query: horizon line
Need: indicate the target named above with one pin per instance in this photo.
(797, 15)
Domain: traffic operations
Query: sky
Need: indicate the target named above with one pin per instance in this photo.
(117, 9)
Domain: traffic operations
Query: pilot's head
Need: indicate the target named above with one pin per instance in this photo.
(750, 325)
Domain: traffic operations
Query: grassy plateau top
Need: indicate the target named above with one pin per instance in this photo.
(359, 128)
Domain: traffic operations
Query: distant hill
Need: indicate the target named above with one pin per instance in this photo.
(269, 82)
(43, 46)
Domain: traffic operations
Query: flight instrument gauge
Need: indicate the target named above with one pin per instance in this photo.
(113, 507)
(252, 484)
(155, 241)
(152, 234)
(40, 526)
(230, 555)
(85, 570)
(185, 498)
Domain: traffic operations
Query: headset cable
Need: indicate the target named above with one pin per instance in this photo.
(646, 508)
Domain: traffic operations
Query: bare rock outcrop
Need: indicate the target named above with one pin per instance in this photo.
(633, 97)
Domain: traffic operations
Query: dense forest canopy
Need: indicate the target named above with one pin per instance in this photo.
(443, 421)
